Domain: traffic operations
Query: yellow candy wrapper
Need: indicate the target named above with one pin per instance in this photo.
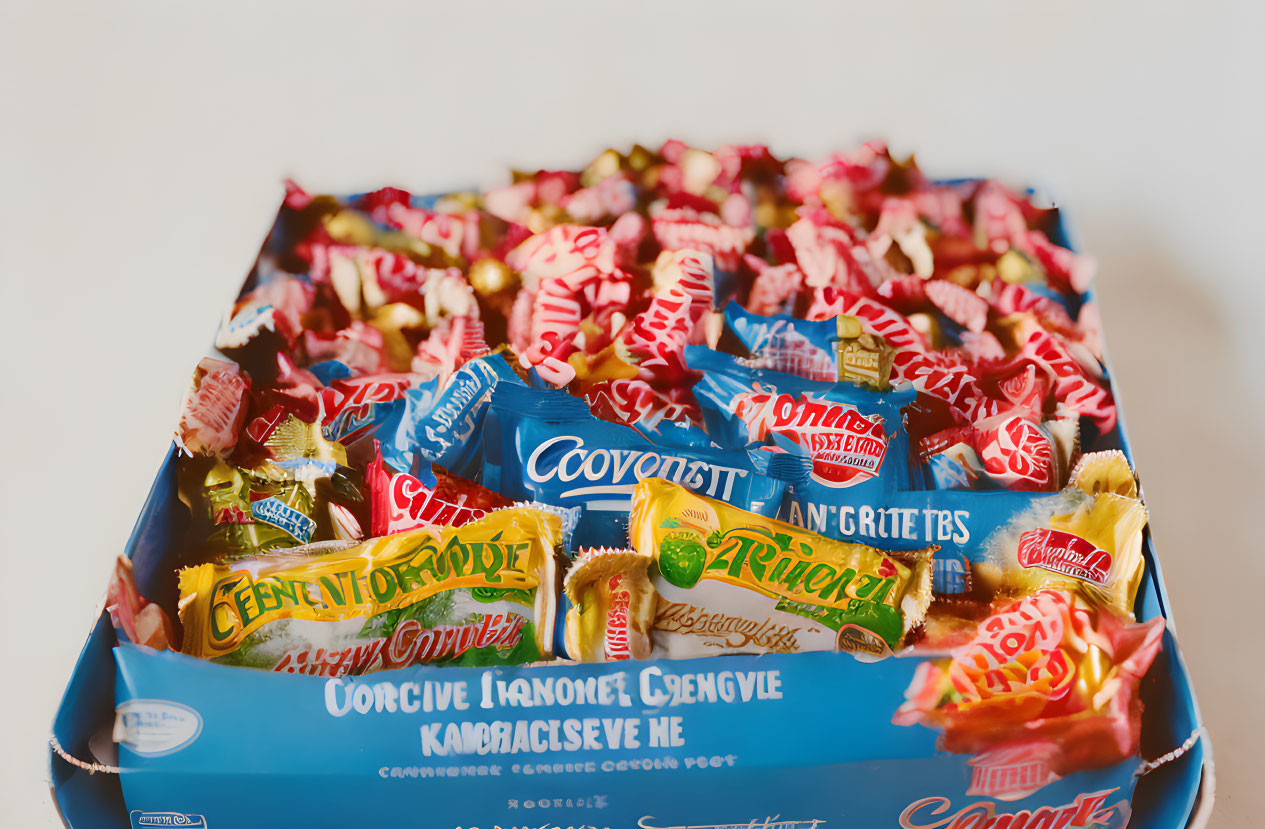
(1095, 550)
(480, 594)
(612, 606)
(732, 581)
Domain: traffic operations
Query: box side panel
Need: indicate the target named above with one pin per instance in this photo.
(303, 753)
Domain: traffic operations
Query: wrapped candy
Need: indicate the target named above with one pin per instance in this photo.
(399, 501)
(546, 446)
(1049, 674)
(730, 581)
(213, 409)
(480, 594)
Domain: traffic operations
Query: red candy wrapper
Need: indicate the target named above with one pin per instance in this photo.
(141, 621)
(213, 409)
(399, 501)
(1044, 671)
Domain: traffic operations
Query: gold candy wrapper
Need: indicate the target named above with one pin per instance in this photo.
(864, 359)
(1095, 550)
(725, 580)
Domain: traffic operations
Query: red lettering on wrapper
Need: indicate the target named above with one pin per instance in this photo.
(413, 504)
(1061, 552)
(412, 644)
(1088, 810)
(847, 448)
(616, 644)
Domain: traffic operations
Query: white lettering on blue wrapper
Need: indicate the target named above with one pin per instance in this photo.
(920, 525)
(456, 417)
(284, 517)
(617, 471)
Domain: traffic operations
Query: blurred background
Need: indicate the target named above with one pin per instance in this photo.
(142, 148)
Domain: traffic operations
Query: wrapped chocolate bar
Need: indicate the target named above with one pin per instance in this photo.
(731, 581)
(479, 594)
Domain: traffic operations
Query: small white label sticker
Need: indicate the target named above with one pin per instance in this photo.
(145, 820)
(154, 727)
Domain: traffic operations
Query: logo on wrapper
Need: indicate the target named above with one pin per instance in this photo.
(1089, 809)
(1064, 553)
(846, 447)
(154, 727)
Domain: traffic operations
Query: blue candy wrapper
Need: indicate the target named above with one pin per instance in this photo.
(855, 437)
(546, 446)
(804, 348)
(428, 425)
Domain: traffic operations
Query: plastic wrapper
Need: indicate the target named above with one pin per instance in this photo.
(731, 581)
(850, 435)
(480, 594)
(444, 426)
(1050, 678)
(545, 446)
(400, 501)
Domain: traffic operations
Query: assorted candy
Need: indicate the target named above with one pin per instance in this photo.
(684, 403)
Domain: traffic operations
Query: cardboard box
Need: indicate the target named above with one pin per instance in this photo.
(786, 741)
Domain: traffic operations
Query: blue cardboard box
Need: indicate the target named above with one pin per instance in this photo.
(785, 741)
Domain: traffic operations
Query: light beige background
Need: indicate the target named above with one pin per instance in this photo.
(142, 147)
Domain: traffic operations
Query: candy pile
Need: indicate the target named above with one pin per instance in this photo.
(682, 403)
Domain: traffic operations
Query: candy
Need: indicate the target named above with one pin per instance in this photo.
(480, 594)
(612, 605)
(244, 514)
(730, 581)
(1044, 671)
(864, 359)
(352, 407)
(140, 620)
(786, 344)
(400, 501)
(1096, 551)
(674, 349)
(213, 409)
(444, 426)
(545, 446)
(852, 435)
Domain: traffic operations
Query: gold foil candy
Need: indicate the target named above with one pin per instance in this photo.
(607, 164)
(1107, 471)
(490, 276)
(639, 158)
(864, 359)
(1013, 266)
(392, 320)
